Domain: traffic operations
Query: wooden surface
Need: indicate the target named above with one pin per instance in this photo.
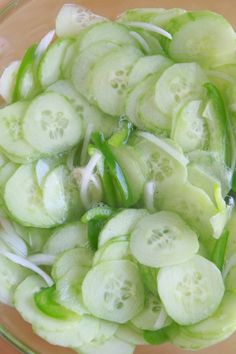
(26, 25)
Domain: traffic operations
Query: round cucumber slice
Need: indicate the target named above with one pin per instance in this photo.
(113, 291)
(191, 291)
(190, 128)
(51, 125)
(201, 36)
(66, 237)
(177, 85)
(153, 317)
(163, 239)
(28, 207)
(113, 250)
(110, 75)
(11, 141)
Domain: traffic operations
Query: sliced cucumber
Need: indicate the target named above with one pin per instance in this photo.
(149, 276)
(121, 224)
(60, 195)
(11, 275)
(8, 80)
(189, 128)
(69, 293)
(163, 239)
(201, 36)
(66, 237)
(106, 31)
(191, 291)
(146, 66)
(6, 172)
(68, 60)
(132, 101)
(49, 70)
(11, 139)
(28, 207)
(114, 346)
(113, 291)
(151, 40)
(84, 63)
(179, 84)
(153, 317)
(51, 125)
(71, 258)
(90, 115)
(110, 75)
(165, 162)
(113, 250)
(193, 204)
(130, 334)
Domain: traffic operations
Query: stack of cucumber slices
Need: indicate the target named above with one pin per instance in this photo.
(117, 181)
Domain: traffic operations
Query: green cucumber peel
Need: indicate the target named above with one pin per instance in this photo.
(100, 212)
(158, 337)
(218, 255)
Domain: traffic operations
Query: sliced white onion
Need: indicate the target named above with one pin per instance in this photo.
(148, 27)
(230, 263)
(7, 81)
(141, 40)
(161, 319)
(43, 45)
(160, 143)
(12, 239)
(149, 192)
(42, 259)
(87, 173)
(29, 265)
(84, 151)
(41, 169)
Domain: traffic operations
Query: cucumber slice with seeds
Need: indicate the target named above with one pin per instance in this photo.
(191, 291)
(110, 75)
(113, 291)
(163, 239)
(51, 125)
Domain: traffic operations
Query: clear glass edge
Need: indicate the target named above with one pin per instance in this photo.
(10, 338)
(8, 7)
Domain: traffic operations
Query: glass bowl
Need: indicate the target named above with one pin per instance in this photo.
(23, 22)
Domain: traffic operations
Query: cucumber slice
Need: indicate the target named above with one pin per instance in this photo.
(28, 207)
(60, 195)
(202, 36)
(68, 60)
(106, 31)
(189, 128)
(51, 125)
(132, 101)
(89, 114)
(151, 40)
(84, 63)
(73, 18)
(110, 75)
(6, 172)
(11, 275)
(165, 162)
(177, 85)
(11, 140)
(113, 250)
(163, 239)
(69, 294)
(113, 291)
(153, 119)
(8, 80)
(149, 276)
(191, 291)
(75, 257)
(153, 317)
(121, 224)
(49, 70)
(146, 66)
(221, 324)
(129, 161)
(114, 346)
(66, 237)
(193, 204)
(130, 334)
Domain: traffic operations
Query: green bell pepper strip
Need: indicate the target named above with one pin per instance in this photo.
(97, 213)
(94, 229)
(26, 63)
(45, 301)
(218, 255)
(114, 169)
(122, 135)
